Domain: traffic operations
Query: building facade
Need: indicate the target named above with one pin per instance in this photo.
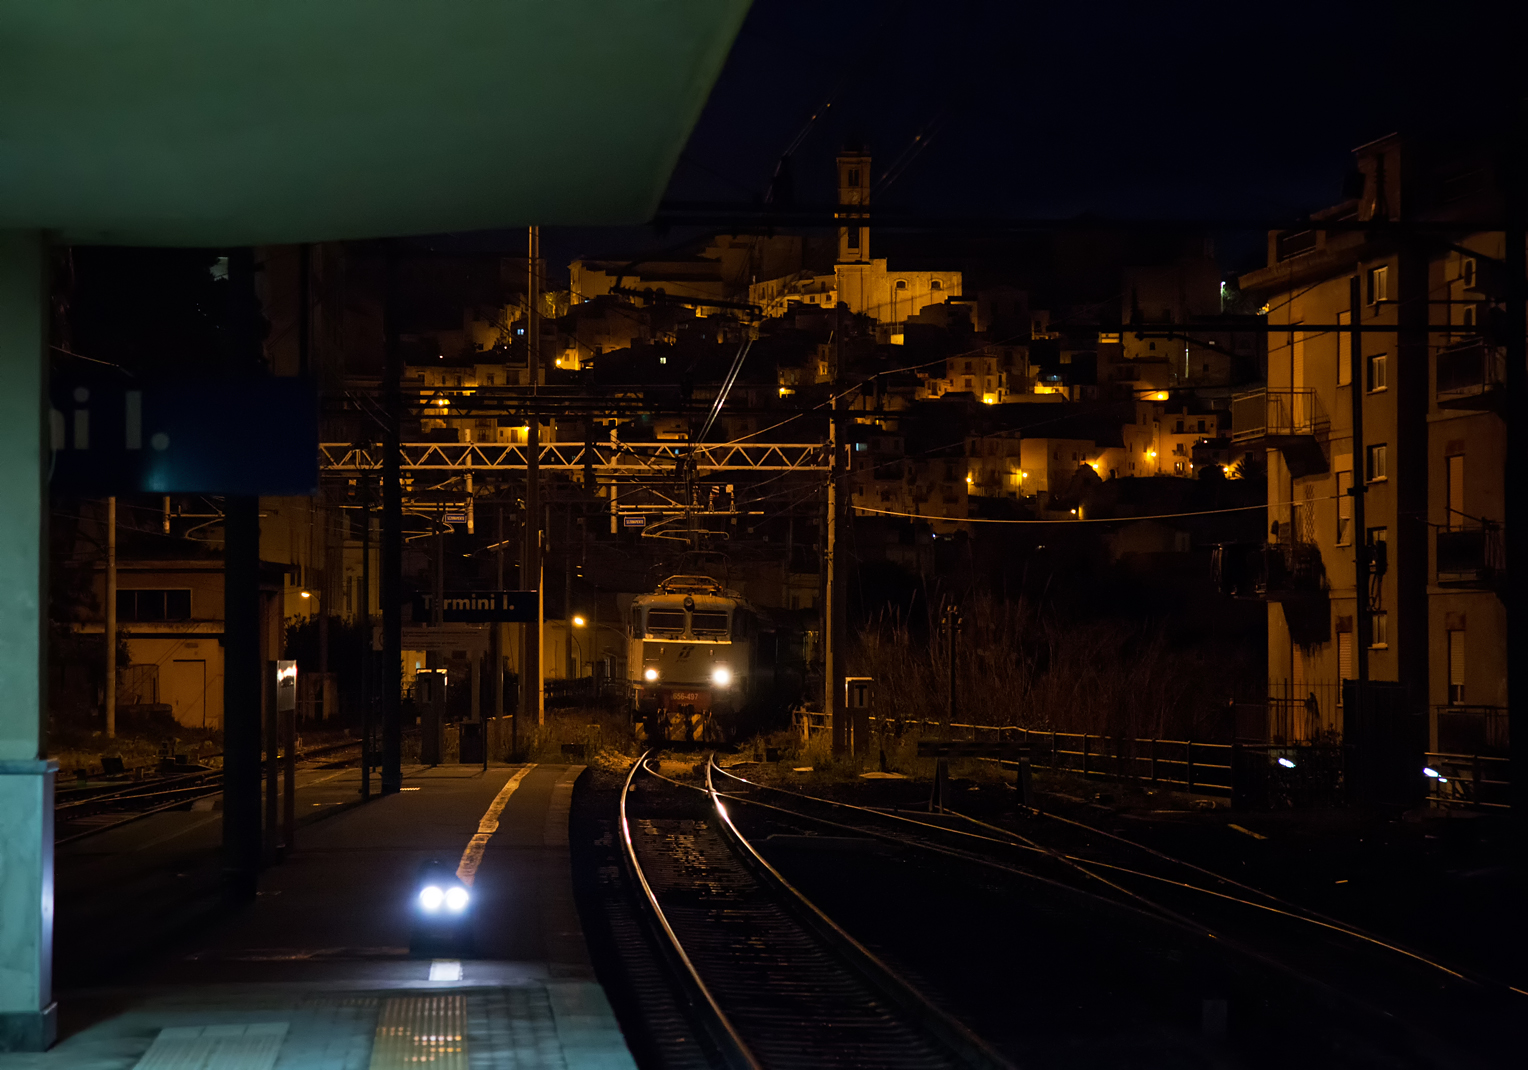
(1428, 463)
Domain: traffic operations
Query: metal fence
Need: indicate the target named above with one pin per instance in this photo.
(1469, 780)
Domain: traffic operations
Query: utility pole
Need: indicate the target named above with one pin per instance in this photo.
(109, 693)
(243, 675)
(530, 544)
(496, 634)
(1516, 330)
(366, 658)
(952, 623)
(834, 615)
(1361, 620)
(390, 581)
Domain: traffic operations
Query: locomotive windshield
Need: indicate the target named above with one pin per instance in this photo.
(709, 625)
(665, 620)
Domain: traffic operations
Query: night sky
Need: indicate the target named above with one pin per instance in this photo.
(1040, 110)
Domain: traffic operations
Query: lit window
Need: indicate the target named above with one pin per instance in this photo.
(1379, 285)
(1375, 466)
(1377, 372)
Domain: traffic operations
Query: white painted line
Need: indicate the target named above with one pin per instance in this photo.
(472, 857)
(445, 970)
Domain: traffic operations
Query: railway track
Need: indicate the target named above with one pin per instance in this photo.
(1386, 990)
(771, 981)
(75, 816)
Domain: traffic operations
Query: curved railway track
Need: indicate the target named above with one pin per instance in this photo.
(1392, 987)
(78, 815)
(769, 978)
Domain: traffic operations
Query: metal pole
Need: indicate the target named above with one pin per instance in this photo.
(366, 658)
(831, 592)
(496, 638)
(390, 581)
(1361, 622)
(289, 778)
(272, 755)
(109, 633)
(1516, 329)
(241, 695)
(530, 544)
(243, 664)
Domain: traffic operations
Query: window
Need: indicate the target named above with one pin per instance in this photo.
(1377, 372)
(854, 176)
(1454, 488)
(936, 285)
(1344, 350)
(1467, 314)
(153, 606)
(1201, 425)
(709, 622)
(1379, 285)
(1467, 274)
(1375, 464)
(1379, 629)
(1345, 655)
(665, 620)
(1456, 667)
(852, 238)
(1345, 508)
(901, 284)
(1179, 428)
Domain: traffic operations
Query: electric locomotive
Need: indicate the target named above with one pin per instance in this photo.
(695, 658)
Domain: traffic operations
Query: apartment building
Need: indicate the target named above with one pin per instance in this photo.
(1429, 462)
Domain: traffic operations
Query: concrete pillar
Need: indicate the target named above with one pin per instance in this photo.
(27, 1011)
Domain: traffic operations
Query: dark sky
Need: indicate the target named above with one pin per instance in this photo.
(1179, 109)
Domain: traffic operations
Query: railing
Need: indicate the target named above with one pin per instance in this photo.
(1290, 569)
(1204, 768)
(1469, 780)
(1468, 371)
(1471, 556)
(1276, 413)
(1472, 729)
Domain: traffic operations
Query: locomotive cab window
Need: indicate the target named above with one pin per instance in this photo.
(709, 623)
(665, 620)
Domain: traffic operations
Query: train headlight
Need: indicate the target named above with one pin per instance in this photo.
(456, 899)
(721, 676)
(430, 898)
(650, 675)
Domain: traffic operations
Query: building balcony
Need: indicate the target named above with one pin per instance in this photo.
(1472, 557)
(1273, 572)
(1290, 420)
(1471, 375)
(1472, 729)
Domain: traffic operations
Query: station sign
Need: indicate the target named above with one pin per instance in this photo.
(478, 607)
(111, 434)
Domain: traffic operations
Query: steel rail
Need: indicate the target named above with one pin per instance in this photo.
(1295, 912)
(703, 1004)
(961, 1042)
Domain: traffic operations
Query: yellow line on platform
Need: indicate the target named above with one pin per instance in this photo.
(472, 857)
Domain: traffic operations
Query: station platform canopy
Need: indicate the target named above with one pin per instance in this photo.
(187, 123)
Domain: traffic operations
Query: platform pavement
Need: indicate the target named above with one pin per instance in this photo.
(315, 972)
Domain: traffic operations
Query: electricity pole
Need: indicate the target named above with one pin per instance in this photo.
(1516, 331)
(109, 694)
(530, 544)
(390, 581)
(1361, 621)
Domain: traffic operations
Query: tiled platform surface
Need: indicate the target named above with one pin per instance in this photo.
(437, 1026)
